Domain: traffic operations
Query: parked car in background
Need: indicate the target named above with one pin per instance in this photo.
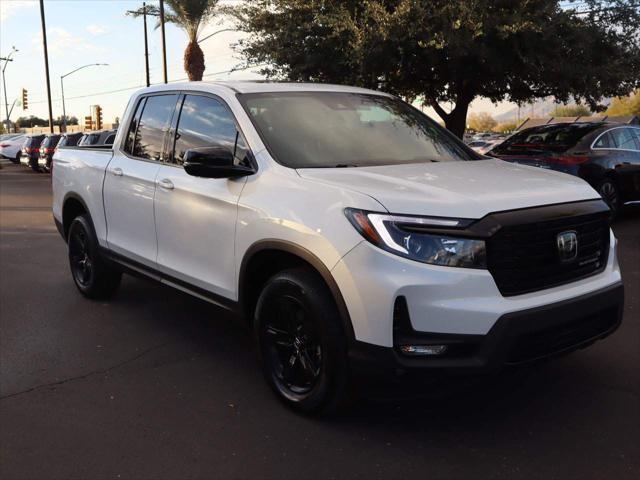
(47, 147)
(69, 139)
(483, 146)
(31, 151)
(606, 155)
(11, 146)
(96, 139)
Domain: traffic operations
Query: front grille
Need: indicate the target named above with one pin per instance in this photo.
(524, 258)
(560, 338)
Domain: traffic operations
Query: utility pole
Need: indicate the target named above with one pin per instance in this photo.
(164, 43)
(46, 64)
(7, 59)
(144, 13)
(146, 43)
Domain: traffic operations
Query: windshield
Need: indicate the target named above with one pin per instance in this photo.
(550, 138)
(339, 129)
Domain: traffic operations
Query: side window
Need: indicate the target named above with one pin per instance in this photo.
(635, 133)
(203, 122)
(622, 138)
(149, 137)
(133, 127)
(604, 141)
(110, 139)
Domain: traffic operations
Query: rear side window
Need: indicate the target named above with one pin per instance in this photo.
(623, 138)
(110, 139)
(34, 141)
(148, 140)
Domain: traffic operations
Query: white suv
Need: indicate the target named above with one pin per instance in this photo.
(351, 232)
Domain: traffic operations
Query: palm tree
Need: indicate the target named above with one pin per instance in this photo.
(191, 16)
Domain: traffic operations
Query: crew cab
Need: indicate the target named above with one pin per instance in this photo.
(353, 234)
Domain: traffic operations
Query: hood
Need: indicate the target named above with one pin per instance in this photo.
(464, 189)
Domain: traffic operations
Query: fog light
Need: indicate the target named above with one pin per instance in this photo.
(423, 349)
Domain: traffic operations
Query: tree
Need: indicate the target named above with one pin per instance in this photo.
(190, 16)
(622, 106)
(506, 127)
(481, 122)
(70, 121)
(31, 121)
(571, 111)
(450, 51)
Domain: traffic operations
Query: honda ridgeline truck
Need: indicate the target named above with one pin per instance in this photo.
(352, 233)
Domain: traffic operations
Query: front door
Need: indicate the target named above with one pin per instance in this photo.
(196, 217)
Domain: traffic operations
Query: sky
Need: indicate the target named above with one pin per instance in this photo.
(98, 31)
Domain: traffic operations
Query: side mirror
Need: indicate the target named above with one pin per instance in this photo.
(213, 162)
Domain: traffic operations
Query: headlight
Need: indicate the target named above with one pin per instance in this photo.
(417, 238)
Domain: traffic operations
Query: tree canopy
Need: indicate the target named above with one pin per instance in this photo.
(570, 111)
(450, 51)
(622, 106)
(481, 122)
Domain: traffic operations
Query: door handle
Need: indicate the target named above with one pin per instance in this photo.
(117, 171)
(165, 183)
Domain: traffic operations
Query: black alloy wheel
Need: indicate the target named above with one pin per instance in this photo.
(80, 258)
(609, 192)
(292, 345)
(94, 277)
(302, 342)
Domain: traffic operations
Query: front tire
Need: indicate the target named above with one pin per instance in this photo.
(610, 193)
(93, 277)
(302, 343)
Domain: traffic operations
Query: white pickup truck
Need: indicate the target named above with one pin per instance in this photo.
(352, 233)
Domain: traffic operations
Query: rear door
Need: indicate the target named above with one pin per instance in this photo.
(129, 185)
(196, 217)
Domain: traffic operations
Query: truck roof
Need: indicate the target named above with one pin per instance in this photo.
(262, 87)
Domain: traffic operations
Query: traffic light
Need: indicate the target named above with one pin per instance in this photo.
(88, 123)
(25, 99)
(98, 117)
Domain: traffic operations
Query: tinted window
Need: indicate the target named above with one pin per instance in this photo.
(109, 140)
(328, 129)
(635, 133)
(556, 138)
(149, 137)
(34, 141)
(51, 141)
(623, 138)
(605, 141)
(131, 133)
(204, 121)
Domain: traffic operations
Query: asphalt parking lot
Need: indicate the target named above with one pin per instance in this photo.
(157, 384)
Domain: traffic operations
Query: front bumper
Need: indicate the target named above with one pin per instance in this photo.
(516, 338)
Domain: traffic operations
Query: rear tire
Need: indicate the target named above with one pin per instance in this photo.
(17, 159)
(610, 193)
(93, 277)
(302, 343)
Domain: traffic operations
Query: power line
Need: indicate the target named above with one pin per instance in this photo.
(95, 94)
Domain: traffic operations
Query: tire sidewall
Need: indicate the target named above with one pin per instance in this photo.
(83, 222)
(324, 315)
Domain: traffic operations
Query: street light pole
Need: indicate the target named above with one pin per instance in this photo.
(64, 112)
(7, 59)
(215, 33)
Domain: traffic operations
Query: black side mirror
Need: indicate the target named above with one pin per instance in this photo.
(213, 162)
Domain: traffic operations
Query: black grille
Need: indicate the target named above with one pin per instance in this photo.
(524, 258)
(560, 338)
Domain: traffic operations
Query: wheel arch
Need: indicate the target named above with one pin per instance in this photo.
(72, 206)
(267, 257)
